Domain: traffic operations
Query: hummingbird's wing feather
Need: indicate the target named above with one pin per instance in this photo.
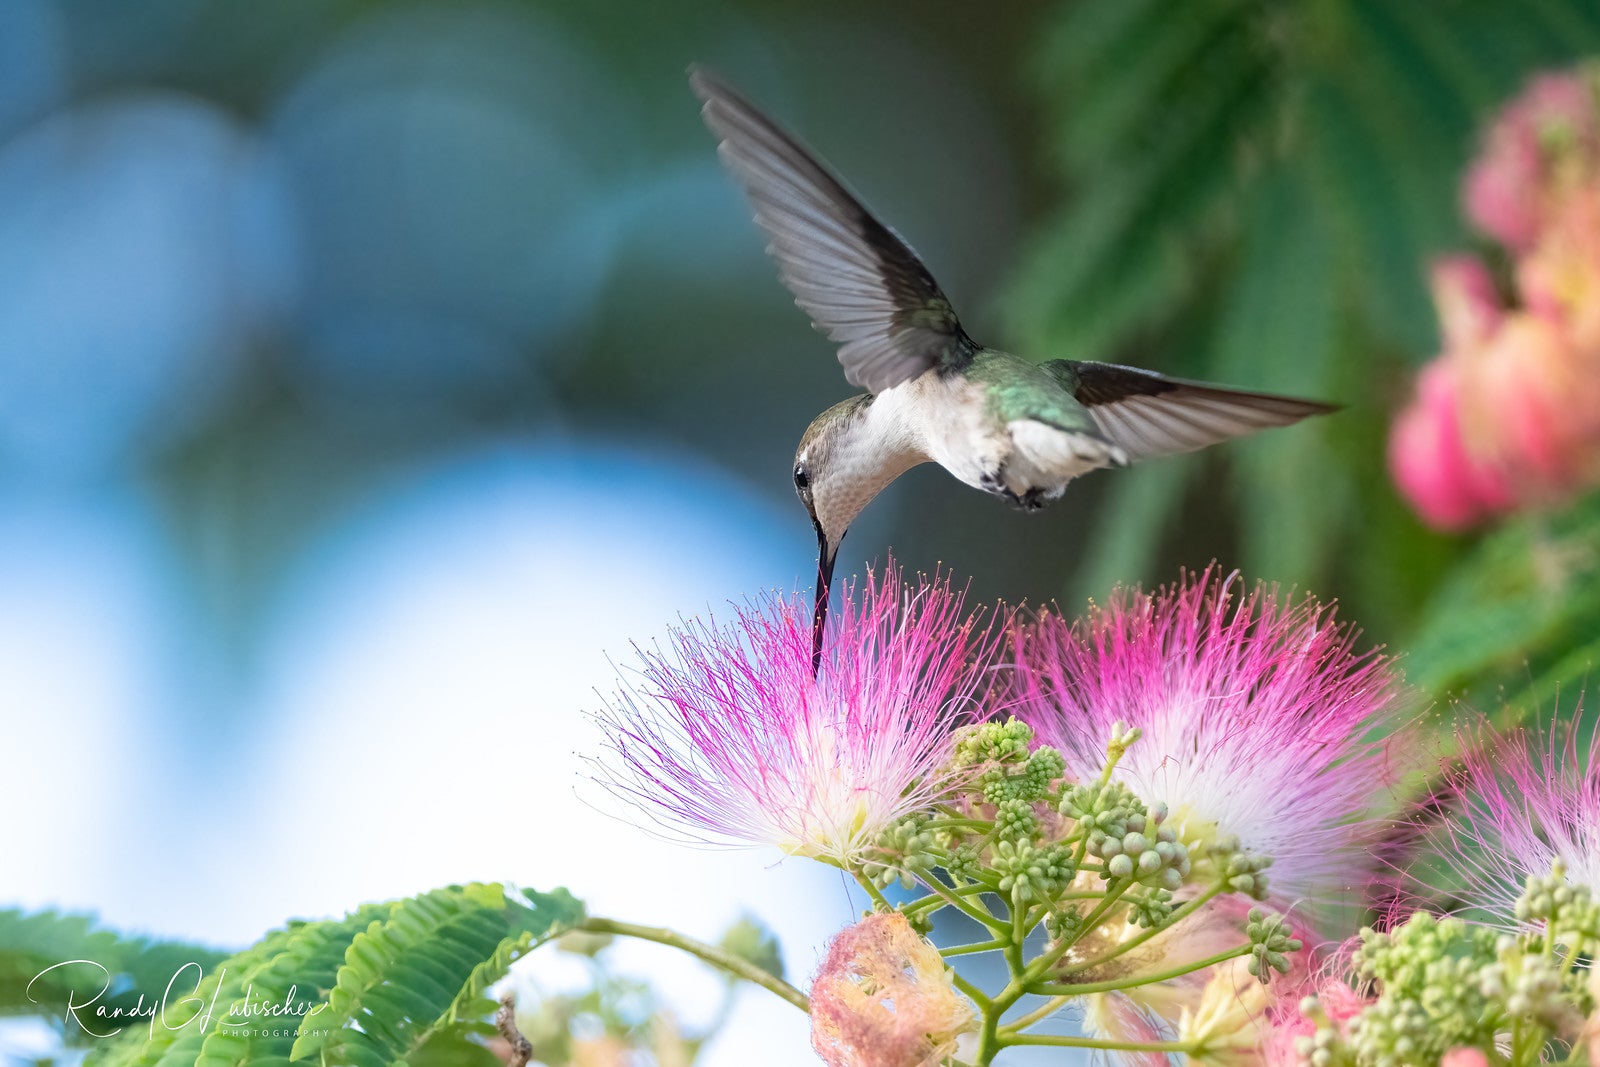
(1149, 414)
(861, 284)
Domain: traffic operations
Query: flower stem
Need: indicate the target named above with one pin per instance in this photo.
(976, 995)
(878, 899)
(974, 911)
(1049, 958)
(1043, 1011)
(934, 903)
(1129, 982)
(723, 960)
(1133, 943)
(968, 950)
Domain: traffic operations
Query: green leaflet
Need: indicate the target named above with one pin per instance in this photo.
(176, 1039)
(392, 983)
(1517, 619)
(408, 977)
(32, 942)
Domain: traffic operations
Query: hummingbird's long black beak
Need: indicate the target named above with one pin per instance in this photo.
(819, 615)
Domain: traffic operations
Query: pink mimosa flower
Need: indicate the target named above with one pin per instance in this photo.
(1257, 720)
(883, 998)
(1428, 458)
(1560, 278)
(1469, 307)
(728, 738)
(1544, 139)
(1524, 801)
(1521, 402)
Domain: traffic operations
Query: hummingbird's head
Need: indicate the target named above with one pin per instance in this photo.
(827, 473)
(825, 466)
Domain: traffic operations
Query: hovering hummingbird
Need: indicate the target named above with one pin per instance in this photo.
(1014, 428)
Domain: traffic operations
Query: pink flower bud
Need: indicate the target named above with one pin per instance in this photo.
(1469, 307)
(1428, 459)
(1520, 403)
(1544, 142)
(1560, 278)
(1464, 1057)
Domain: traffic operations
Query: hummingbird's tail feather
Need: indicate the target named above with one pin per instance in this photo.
(1148, 414)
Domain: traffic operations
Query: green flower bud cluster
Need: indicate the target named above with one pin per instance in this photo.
(1031, 780)
(1325, 1047)
(1433, 999)
(1240, 871)
(1149, 909)
(1271, 941)
(1568, 911)
(1444, 984)
(992, 742)
(1147, 852)
(902, 852)
(1534, 987)
(965, 862)
(1066, 923)
(1103, 807)
(1032, 873)
(1015, 820)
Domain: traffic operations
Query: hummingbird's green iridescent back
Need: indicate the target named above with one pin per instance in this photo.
(1019, 389)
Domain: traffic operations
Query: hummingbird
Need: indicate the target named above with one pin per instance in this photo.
(1016, 429)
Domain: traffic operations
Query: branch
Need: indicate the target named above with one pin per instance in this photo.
(727, 961)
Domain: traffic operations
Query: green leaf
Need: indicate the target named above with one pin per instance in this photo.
(32, 945)
(178, 1036)
(1518, 615)
(407, 980)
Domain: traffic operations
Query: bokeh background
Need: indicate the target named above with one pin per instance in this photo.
(371, 374)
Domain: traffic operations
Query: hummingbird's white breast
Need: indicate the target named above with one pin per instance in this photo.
(949, 420)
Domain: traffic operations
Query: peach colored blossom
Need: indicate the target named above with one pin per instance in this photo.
(883, 999)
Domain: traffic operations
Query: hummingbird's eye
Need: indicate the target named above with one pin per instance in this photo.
(802, 477)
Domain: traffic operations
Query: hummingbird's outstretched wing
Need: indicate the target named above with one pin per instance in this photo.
(861, 284)
(1149, 414)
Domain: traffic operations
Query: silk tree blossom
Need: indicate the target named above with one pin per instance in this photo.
(883, 998)
(1257, 719)
(1525, 802)
(1507, 417)
(726, 737)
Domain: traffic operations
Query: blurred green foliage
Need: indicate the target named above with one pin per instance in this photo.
(405, 981)
(1516, 625)
(1253, 193)
(34, 945)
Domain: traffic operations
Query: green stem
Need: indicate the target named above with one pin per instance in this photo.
(976, 912)
(1044, 1011)
(989, 1038)
(878, 899)
(968, 950)
(1054, 954)
(976, 995)
(1084, 988)
(727, 961)
(1133, 943)
(934, 903)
